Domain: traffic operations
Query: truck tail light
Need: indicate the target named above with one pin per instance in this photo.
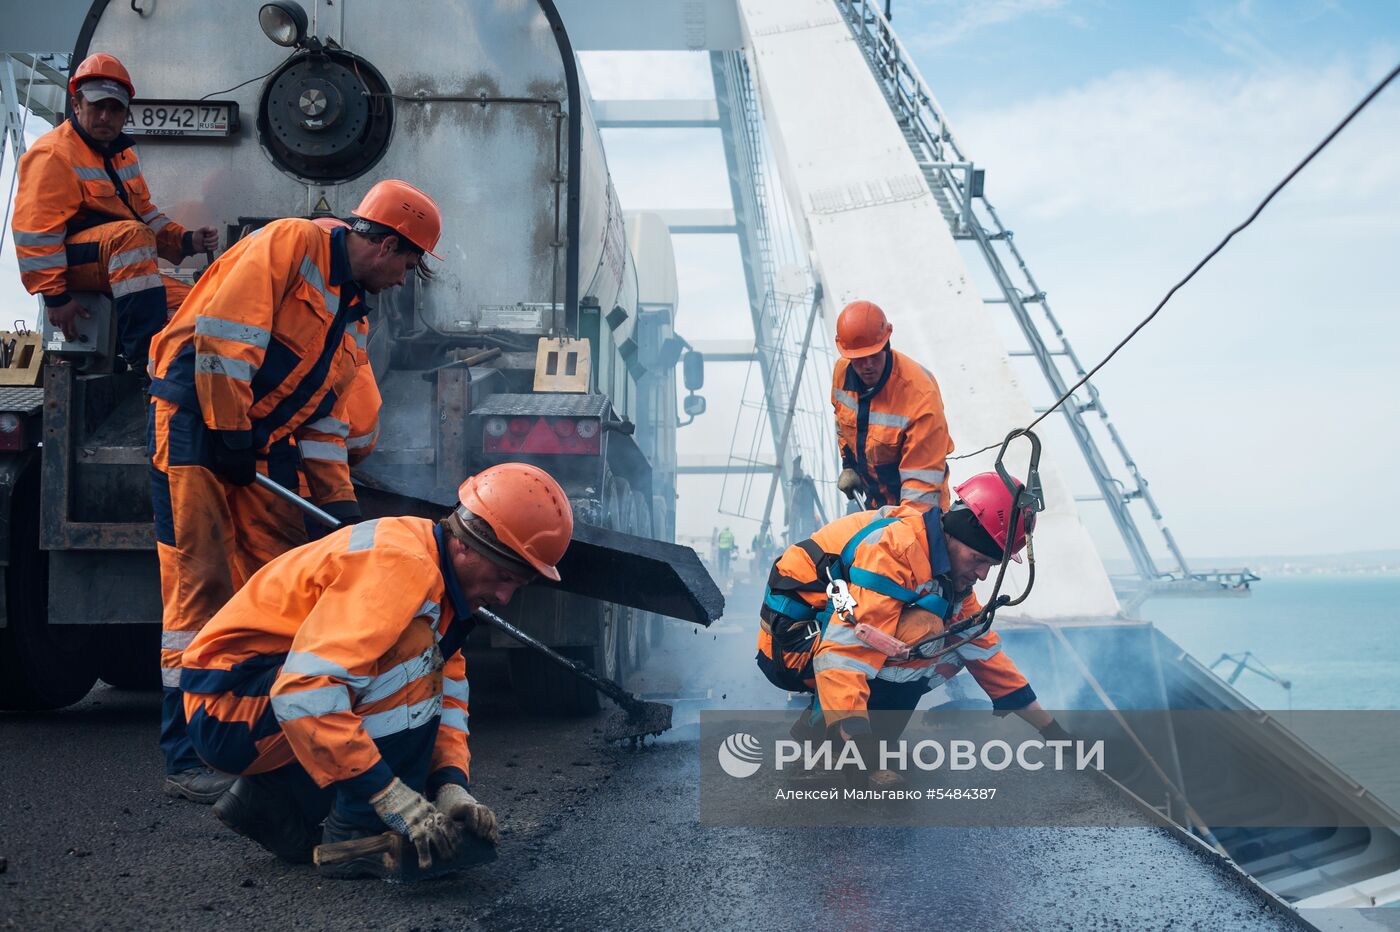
(11, 432)
(552, 435)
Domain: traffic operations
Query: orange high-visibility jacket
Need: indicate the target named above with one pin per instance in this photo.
(67, 185)
(362, 403)
(268, 344)
(338, 611)
(894, 434)
(899, 552)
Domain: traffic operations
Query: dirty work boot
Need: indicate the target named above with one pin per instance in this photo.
(367, 865)
(199, 785)
(265, 809)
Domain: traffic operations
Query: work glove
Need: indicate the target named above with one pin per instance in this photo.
(65, 317)
(1055, 732)
(406, 811)
(849, 483)
(461, 806)
(237, 466)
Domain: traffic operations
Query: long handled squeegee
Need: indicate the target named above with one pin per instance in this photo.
(637, 719)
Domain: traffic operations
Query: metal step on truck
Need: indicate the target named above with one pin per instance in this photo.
(547, 334)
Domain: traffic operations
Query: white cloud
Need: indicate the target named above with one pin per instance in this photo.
(1160, 142)
(1253, 403)
(952, 21)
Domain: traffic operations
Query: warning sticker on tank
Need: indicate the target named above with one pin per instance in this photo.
(523, 317)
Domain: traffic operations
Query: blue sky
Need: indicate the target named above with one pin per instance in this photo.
(1121, 141)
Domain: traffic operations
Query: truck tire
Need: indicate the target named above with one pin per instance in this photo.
(130, 657)
(650, 626)
(42, 666)
(629, 633)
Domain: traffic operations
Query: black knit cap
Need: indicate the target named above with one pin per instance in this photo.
(962, 525)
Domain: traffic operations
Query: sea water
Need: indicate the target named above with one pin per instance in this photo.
(1336, 639)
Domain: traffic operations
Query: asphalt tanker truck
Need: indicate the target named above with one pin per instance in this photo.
(539, 338)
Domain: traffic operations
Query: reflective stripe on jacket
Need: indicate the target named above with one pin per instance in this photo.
(888, 568)
(894, 434)
(268, 343)
(66, 185)
(338, 614)
(362, 404)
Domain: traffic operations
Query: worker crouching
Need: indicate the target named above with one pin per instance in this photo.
(334, 683)
(904, 574)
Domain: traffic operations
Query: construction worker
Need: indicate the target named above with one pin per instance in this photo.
(890, 425)
(911, 573)
(262, 352)
(334, 684)
(84, 219)
(726, 547)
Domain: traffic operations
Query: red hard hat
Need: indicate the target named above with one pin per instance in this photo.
(862, 330)
(991, 503)
(526, 509)
(404, 209)
(101, 65)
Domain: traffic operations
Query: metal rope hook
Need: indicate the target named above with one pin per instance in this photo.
(1030, 496)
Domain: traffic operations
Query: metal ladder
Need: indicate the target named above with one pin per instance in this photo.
(777, 318)
(957, 187)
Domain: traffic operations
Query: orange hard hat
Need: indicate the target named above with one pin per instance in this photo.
(862, 330)
(101, 65)
(527, 510)
(404, 209)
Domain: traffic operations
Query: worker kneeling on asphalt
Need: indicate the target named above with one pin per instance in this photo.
(334, 683)
(911, 574)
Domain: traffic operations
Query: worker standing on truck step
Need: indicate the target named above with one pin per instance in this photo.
(84, 219)
(910, 573)
(890, 425)
(334, 683)
(262, 351)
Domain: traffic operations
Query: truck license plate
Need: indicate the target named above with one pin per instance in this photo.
(182, 118)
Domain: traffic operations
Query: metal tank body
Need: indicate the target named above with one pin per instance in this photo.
(480, 104)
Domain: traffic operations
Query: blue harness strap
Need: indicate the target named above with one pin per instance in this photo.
(799, 610)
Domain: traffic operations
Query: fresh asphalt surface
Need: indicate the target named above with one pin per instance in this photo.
(593, 836)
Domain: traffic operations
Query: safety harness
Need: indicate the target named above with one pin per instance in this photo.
(796, 627)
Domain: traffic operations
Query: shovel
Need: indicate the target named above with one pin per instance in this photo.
(637, 718)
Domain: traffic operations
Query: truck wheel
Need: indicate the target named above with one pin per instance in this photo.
(629, 634)
(650, 627)
(542, 687)
(42, 666)
(130, 657)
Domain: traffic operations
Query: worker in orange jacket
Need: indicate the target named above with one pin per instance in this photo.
(911, 574)
(890, 425)
(84, 219)
(362, 399)
(263, 351)
(334, 684)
